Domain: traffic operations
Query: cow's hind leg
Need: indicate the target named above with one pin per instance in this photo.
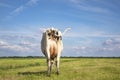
(57, 66)
(48, 62)
(49, 67)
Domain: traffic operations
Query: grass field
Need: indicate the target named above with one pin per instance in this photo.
(70, 69)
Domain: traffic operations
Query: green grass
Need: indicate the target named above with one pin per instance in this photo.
(70, 69)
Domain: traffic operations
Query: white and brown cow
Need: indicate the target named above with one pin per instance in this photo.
(51, 47)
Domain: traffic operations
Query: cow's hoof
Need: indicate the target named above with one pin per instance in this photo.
(48, 75)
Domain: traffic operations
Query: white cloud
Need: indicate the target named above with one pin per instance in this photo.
(13, 47)
(16, 42)
(93, 43)
(29, 44)
(110, 47)
(2, 43)
(113, 43)
(95, 51)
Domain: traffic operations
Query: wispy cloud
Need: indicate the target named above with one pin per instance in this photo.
(19, 36)
(86, 6)
(92, 34)
(32, 2)
(17, 10)
(21, 8)
(75, 1)
(5, 5)
(93, 9)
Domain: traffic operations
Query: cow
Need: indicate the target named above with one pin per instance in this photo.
(51, 47)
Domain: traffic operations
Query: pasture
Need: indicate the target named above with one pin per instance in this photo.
(70, 69)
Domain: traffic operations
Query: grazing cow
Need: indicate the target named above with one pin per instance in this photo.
(51, 47)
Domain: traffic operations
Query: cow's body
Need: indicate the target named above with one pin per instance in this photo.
(52, 46)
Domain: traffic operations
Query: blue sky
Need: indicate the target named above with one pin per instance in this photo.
(95, 26)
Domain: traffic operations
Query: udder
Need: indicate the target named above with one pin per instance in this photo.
(53, 49)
